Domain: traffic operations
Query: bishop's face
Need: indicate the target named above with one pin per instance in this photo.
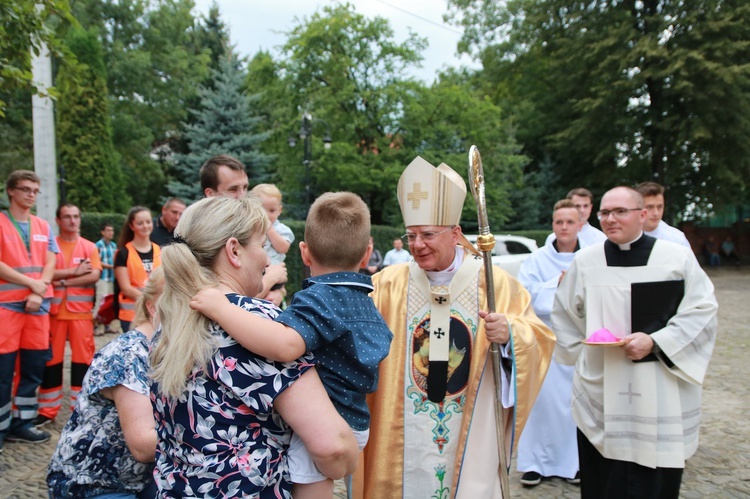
(433, 247)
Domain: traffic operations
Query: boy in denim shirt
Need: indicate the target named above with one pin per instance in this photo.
(332, 316)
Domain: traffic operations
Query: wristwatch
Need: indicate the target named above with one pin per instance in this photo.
(64, 284)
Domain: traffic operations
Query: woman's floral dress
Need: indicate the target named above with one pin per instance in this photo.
(91, 456)
(222, 437)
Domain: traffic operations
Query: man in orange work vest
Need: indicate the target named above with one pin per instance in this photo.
(27, 266)
(77, 269)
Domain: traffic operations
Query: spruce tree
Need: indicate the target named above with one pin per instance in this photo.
(226, 123)
(93, 178)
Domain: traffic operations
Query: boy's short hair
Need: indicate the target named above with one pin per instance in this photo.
(105, 225)
(17, 175)
(337, 230)
(209, 172)
(564, 203)
(268, 190)
(649, 189)
(580, 191)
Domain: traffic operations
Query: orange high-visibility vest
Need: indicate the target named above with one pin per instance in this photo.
(138, 277)
(79, 299)
(15, 255)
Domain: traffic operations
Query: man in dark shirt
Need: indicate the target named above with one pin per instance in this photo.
(164, 225)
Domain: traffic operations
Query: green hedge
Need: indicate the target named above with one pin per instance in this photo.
(383, 236)
(91, 224)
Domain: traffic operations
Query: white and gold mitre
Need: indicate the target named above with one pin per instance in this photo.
(429, 195)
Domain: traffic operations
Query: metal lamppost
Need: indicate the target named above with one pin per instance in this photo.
(305, 133)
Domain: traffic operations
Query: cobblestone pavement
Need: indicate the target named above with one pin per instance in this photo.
(719, 469)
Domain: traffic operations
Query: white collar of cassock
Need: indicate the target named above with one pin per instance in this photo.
(444, 277)
(626, 246)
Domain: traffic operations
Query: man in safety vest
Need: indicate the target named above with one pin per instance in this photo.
(27, 266)
(77, 269)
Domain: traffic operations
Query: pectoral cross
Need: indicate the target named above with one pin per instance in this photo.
(416, 195)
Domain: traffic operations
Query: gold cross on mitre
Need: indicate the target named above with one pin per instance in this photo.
(429, 195)
(416, 195)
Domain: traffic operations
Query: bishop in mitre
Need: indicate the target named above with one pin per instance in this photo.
(433, 427)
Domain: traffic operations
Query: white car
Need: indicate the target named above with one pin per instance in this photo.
(510, 251)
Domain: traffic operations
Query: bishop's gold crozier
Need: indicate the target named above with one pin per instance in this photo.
(485, 244)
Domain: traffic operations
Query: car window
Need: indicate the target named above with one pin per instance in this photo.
(499, 249)
(516, 248)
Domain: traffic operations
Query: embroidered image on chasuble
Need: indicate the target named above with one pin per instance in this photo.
(437, 421)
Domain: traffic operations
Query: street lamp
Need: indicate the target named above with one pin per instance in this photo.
(305, 133)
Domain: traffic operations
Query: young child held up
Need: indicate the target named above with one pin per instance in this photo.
(332, 316)
(279, 237)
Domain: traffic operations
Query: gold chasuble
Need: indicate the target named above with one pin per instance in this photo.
(448, 449)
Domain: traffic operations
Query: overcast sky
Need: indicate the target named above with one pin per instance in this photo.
(258, 24)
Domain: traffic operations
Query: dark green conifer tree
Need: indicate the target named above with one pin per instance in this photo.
(93, 177)
(226, 123)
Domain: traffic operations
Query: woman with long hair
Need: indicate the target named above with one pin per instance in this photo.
(107, 447)
(224, 415)
(136, 257)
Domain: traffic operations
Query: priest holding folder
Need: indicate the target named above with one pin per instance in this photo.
(636, 405)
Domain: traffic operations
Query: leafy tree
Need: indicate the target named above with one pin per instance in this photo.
(225, 124)
(24, 28)
(532, 205)
(83, 128)
(16, 134)
(349, 73)
(154, 66)
(443, 122)
(620, 92)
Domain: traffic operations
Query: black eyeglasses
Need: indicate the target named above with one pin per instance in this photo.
(28, 190)
(424, 236)
(619, 213)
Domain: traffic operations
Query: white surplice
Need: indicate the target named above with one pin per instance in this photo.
(587, 236)
(646, 413)
(668, 233)
(548, 444)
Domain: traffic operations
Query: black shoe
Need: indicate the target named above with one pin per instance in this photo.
(40, 421)
(576, 479)
(531, 479)
(29, 435)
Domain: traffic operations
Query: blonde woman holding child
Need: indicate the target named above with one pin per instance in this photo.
(333, 317)
(225, 414)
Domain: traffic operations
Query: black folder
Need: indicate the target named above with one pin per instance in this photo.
(652, 304)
